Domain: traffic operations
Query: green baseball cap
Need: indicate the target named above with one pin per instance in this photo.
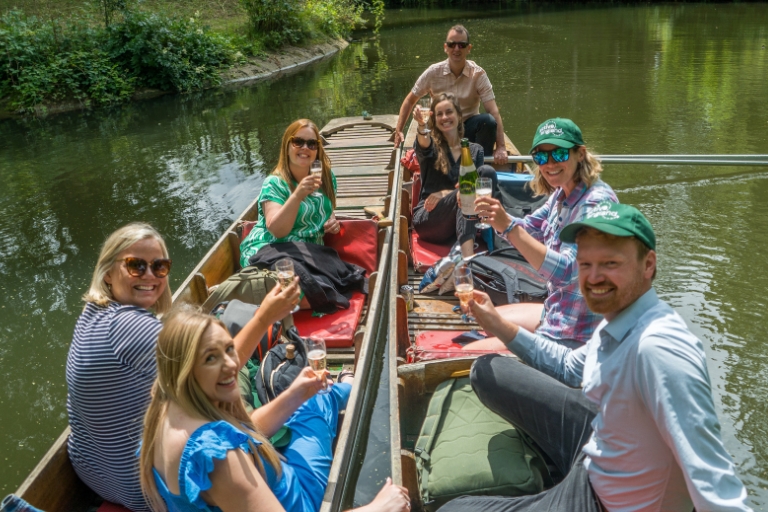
(558, 131)
(615, 219)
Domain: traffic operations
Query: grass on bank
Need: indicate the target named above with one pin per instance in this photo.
(66, 51)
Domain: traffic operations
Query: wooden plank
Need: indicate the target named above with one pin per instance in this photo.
(357, 202)
(53, 485)
(402, 268)
(387, 121)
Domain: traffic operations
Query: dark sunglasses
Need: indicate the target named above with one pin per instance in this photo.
(460, 44)
(559, 155)
(298, 142)
(137, 267)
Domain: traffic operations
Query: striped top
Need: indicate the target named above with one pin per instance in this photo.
(110, 371)
(314, 212)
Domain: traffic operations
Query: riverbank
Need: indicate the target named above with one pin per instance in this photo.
(269, 64)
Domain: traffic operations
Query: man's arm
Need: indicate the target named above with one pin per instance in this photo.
(557, 361)
(500, 153)
(674, 386)
(405, 111)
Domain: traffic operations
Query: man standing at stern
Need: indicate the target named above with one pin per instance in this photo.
(641, 434)
(469, 83)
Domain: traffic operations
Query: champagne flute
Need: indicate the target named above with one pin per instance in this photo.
(316, 355)
(483, 188)
(462, 279)
(424, 104)
(285, 274)
(316, 170)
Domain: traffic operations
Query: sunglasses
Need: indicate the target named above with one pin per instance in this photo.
(137, 267)
(298, 142)
(559, 155)
(460, 44)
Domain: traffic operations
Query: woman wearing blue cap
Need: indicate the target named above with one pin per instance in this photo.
(566, 170)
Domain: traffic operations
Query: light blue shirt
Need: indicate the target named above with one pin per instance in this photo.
(656, 442)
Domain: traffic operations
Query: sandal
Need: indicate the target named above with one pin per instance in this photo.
(344, 374)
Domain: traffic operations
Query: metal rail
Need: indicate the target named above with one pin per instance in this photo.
(734, 160)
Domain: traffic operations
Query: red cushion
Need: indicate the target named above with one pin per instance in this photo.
(247, 227)
(338, 329)
(111, 507)
(357, 242)
(425, 254)
(431, 345)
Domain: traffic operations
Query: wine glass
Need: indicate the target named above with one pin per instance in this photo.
(424, 104)
(316, 355)
(462, 279)
(316, 170)
(285, 274)
(483, 188)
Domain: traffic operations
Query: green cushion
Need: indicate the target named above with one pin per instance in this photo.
(473, 450)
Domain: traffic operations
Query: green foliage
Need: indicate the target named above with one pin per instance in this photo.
(336, 18)
(46, 61)
(110, 8)
(170, 54)
(277, 22)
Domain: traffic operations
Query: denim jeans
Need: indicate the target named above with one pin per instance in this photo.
(557, 417)
(481, 129)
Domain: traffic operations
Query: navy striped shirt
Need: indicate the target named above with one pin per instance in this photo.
(110, 371)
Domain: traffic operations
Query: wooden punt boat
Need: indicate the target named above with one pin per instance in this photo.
(365, 163)
(412, 384)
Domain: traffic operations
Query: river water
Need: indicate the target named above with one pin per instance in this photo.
(665, 79)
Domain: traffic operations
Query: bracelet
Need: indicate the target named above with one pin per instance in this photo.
(424, 133)
(514, 223)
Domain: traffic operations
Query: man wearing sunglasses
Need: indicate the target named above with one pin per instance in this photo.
(469, 83)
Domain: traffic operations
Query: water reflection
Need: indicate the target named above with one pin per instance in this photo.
(661, 79)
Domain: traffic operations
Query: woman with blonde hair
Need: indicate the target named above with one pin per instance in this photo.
(111, 365)
(201, 451)
(566, 170)
(437, 217)
(295, 211)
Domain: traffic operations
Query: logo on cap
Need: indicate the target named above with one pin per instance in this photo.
(603, 210)
(551, 129)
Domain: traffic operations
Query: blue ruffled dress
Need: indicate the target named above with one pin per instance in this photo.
(304, 472)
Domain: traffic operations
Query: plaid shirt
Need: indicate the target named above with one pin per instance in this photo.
(566, 316)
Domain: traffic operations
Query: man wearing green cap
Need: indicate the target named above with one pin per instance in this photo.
(642, 432)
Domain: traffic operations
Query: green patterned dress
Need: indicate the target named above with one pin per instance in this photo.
(314, 212)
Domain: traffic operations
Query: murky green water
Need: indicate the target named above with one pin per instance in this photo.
(672, 79)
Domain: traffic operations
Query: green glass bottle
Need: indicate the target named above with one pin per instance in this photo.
(467, 178)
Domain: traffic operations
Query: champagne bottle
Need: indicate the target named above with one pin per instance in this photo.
(467, 178)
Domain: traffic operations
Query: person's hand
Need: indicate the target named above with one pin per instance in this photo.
(279, 302)
(494, 212)
(391, 498)
(417, 116)
(500, 155)
(332, 225)
(481, 307)
(433, 199)
(307, 185)
(307, 384)
(398, 137)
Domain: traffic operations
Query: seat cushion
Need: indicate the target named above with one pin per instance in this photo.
(337, 329)
(431, 345)
(357, 242)
(425, 254)
(108, 506)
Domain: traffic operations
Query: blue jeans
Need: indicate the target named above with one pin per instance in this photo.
(481, 129)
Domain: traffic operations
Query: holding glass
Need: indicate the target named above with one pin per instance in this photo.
(465, 287)
(483, 189)
(285, 274)
(317, 172)
(316, 355)
(424, 105)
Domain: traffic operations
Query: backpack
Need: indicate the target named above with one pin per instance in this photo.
(277, 370)
(507, 277)
(250, 285)
(464, 448)
(235, 314)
